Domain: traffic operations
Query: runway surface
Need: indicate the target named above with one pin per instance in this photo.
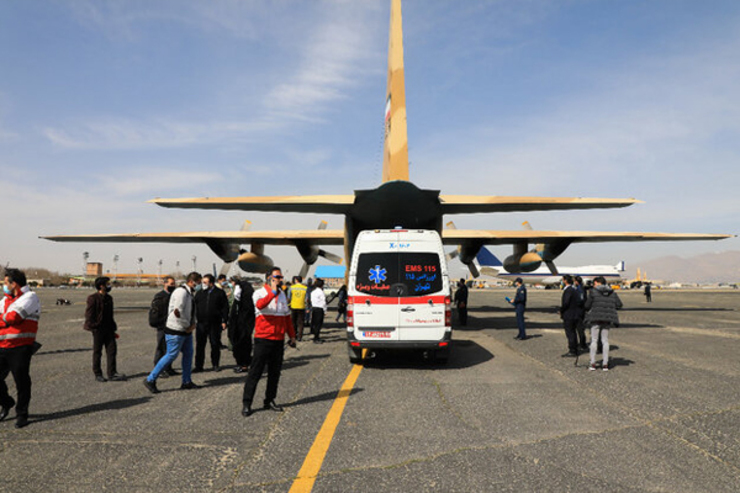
(502, 415)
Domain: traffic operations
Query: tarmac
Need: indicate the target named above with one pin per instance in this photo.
(502, 415)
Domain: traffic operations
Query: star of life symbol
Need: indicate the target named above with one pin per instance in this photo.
(377, 275)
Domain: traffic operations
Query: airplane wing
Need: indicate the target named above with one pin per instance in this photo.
(321, 204)
(466, 204)
(492, 237)
(311, 237)
(342, 204)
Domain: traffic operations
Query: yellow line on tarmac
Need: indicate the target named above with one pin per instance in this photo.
(315, 458)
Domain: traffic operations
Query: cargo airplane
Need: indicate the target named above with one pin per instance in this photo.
(396, 202)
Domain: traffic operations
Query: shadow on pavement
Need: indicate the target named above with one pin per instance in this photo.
(326, 396)
(674, 309)
(463, 354)
(60, 351)
(92, 408)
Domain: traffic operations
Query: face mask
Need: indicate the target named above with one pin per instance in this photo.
(169, 289)
(108, 289)
(7, 290)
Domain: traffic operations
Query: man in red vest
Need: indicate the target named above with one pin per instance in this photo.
(18, 326)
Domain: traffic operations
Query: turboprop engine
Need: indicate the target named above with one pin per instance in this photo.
(526, 262)
(529, 261)
(255, 261)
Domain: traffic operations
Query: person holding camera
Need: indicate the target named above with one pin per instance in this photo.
(271, 323)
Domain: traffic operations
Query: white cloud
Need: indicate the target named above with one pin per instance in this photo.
(127, 21)
(138, 181)
(331, 61)
(123, 134)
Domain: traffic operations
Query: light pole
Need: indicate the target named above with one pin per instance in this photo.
(115, 267)
(139, 261)
(195, 263)
(85, 256)
(159, 270)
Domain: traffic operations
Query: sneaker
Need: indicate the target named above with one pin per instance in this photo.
(605, 368)
(189, 386)
(152, 386)
(100, 378)
(592, 367)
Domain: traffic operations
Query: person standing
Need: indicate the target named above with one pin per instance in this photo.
(158, 320)
(648, 294)
(318, 310)
(461, 302)
(19, 324)
(271, 324)
(309, 288)
(297, 299)
(241, 325)
(212, 313)
(581, 327)
(602, 305)
(178, 334)
(520, 305)
(99, 320)
(342, 298)
(570, 314)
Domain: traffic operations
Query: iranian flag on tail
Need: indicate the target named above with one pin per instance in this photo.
(388, 109)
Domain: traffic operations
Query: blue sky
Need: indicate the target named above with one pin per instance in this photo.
(104, 105)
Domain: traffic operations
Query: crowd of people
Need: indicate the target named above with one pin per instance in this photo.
(257, 323)
(581, 306)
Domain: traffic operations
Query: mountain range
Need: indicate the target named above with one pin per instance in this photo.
(703, 269)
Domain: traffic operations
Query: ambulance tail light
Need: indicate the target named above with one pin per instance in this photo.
(448, 312)
(350, 313)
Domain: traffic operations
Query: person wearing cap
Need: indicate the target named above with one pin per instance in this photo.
(520, 304)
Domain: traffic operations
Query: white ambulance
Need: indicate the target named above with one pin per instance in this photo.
(399, 293)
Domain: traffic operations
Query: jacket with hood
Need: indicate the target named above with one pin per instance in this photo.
(602, 305)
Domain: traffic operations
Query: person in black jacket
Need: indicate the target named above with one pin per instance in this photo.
(461, 302)
(158, 320)
(212, 313)
(241, 325)
(99, 320)
(581, 327)
(602, 305)
(570, 312)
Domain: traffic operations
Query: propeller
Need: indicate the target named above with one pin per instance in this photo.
(331, 257)
(226, 268)
(539, 248)
(456, 253)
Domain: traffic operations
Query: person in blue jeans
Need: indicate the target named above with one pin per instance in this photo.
(520, 304)
(178, 334)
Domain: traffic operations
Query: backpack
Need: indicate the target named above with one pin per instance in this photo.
(159, 310)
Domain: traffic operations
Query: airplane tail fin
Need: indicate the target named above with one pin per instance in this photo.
(620, 266)
(486, 258)
(395, 149)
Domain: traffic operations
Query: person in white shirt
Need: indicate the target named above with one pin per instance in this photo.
(318, 309)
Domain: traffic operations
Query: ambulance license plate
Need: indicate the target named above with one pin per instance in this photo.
(376, 334)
